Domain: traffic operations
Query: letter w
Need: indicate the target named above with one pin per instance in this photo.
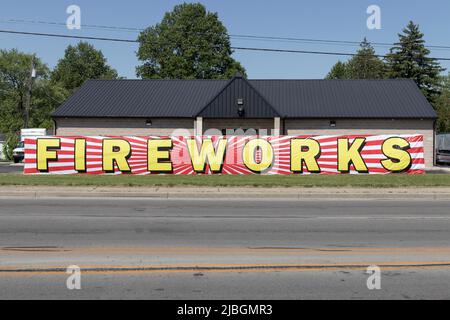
(207, 154)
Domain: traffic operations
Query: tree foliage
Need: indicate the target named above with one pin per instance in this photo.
(189, 43)
(363, 65)
(15, 68)
(409, 58)
(338, 71)
(442, 106)
(80, 63)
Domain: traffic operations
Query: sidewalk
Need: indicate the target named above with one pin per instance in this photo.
(227, 193)
(439, 170)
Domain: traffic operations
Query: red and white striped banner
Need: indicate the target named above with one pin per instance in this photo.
(238, 155)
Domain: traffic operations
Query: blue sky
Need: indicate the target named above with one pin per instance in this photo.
(321, 19)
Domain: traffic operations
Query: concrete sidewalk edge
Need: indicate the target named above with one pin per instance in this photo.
(228, 193)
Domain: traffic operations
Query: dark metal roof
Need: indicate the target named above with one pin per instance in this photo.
(140, 98)
(262, 98)
(225, 104)
(396, 98)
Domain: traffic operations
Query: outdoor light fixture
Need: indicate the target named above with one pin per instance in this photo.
(241, 110)
(333, 124)
(149, 123)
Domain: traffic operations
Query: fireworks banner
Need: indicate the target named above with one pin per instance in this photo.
(234, 155)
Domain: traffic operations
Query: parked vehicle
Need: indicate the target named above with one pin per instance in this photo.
(443, 149)
(19, 151)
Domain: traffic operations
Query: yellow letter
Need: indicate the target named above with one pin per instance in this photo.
(80, 155)
(347, 155)
(395, 148)
(300, 156)
(207, 153)
(266, 155)
(45, 152)
(158, 150)
(118, 151)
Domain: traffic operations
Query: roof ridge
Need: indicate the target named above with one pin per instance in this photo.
(162, 80)
(227, 80)
(335, 80)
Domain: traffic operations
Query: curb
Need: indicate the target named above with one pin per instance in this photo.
(218, 195)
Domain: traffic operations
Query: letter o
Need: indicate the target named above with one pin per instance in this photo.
(267, 155)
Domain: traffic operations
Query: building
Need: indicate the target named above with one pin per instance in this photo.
(286, 107)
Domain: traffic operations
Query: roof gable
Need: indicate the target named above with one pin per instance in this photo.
(225, 103)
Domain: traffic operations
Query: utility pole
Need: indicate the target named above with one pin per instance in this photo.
(29, 91)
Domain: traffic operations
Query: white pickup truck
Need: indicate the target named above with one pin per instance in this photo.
(19, 151)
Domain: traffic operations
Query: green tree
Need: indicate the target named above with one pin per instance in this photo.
(80, 63)
(189, 43)
(442, 106)
(10, 122)
(409, 58)
(15, 69)
(363, 65)
(47, 96)
(338, 71)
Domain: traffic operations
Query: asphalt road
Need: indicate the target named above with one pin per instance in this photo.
(227, 249)
(6, 167)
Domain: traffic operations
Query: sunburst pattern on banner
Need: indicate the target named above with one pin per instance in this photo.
(233, 164)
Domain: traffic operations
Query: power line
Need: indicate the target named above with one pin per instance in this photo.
(62, 24)
(298, 51)
(308, 40)
(233, 36)
(236, 36)
(323, 41)
(54, 35)
(67, 36)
